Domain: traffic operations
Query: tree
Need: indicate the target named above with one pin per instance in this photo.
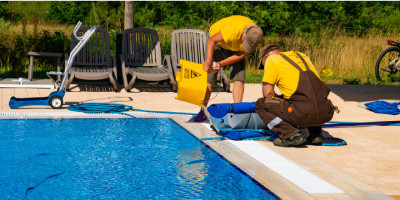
(68, 12)
(128, 21)
(29, 11)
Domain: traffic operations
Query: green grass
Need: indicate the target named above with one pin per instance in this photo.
(5, 69)
(39, 71)
(6, 72)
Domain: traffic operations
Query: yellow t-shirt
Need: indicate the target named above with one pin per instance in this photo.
(231, 29)
(278, 71)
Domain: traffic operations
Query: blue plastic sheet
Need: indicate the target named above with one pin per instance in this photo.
(384, 107)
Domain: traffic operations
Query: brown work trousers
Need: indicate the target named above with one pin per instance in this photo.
(284, 118)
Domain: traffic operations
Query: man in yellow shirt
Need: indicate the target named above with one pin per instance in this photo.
(231, 39)
(304, 102)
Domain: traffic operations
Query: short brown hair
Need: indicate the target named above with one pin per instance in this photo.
(268, 48)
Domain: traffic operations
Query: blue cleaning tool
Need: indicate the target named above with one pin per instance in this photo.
(55, 99)
(220, 110)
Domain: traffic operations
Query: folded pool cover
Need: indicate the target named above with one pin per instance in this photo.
(220, 110)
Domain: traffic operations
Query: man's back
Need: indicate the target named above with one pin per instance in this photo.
(231, 29)
(280, 72)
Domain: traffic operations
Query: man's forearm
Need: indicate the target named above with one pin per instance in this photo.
(268, 90)
(233, 59)
(210, 50)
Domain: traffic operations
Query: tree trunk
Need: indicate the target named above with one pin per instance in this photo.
(35, 27)
(24, 23)
(128, 21)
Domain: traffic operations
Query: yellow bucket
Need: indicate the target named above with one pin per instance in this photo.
(192, 82)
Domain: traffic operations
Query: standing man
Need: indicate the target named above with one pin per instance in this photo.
(231, 39)
(304, 102)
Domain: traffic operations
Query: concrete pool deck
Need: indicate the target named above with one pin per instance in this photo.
(371, 157)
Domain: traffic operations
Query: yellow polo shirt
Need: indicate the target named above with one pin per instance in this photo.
(278, 71)
(231, 29)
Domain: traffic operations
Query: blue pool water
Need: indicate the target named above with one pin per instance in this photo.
(114, 159)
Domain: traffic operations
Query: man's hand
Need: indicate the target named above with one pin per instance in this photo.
(207, 66)
(216, 67)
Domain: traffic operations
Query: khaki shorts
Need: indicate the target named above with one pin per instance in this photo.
(238, 70)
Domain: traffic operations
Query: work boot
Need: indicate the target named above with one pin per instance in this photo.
(295, 140)
(201, 116)
(315, 139)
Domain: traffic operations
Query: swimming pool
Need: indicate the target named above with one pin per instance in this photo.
(114, 159)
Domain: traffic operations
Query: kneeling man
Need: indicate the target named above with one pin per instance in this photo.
(303, 103)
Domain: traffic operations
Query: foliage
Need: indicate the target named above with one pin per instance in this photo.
(14, 50)
(5, 11)
(352, 81)
(28, 10)
(274, 17)
(68, 12)
(107, 14)
(4, 25)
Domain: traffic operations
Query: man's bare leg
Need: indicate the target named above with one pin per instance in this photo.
(208, 93)
(238, 90)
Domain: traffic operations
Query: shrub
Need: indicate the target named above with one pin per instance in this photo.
(14, 48)
(352, 81)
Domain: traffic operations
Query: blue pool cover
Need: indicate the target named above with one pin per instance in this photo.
(114, 159)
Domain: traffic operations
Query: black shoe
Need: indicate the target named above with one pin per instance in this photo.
(315, 139)
(295, 140)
